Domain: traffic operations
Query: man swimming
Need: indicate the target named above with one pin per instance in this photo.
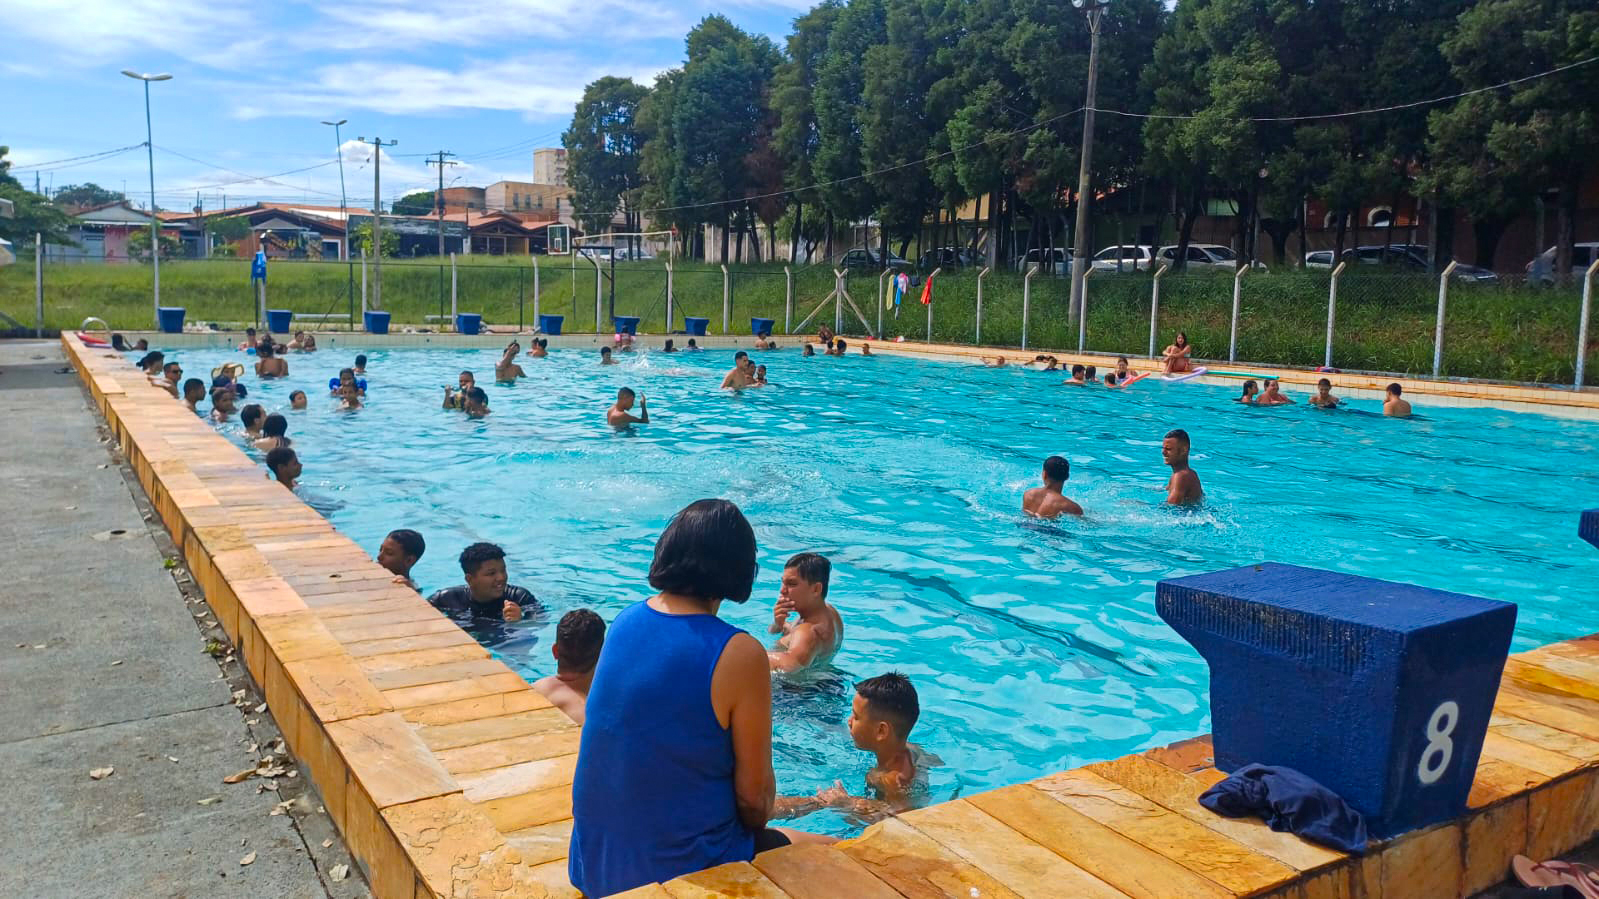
(1078, 373)
(171, 374)
(739, 377)
(605, 356)
(817, 635)
(507, 369)
(1183, 488)
(250, 416)
(249, 342)
(1324, 397)
(1048, 501)
(866, 349)
(193, 393)
(1394, 405)
(457, 400)
(618, 415)
(669, 347)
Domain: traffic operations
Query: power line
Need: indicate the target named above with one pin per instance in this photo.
(90, 156)
(247, 178)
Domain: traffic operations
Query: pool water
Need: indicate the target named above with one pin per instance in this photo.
(1034, 646)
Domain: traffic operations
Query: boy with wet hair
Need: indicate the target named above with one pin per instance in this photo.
(578, 640)
(399, 552)
(619, 416)
(193, 393)
(486, 593)
(817, 635)
(477, 402)
(250, 416)
(881, 717)
(1048, 501)
(1078, 373)
(284, 465)
(1324, 396)
(297, 400)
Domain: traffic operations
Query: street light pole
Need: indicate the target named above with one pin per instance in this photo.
(149, 146)
(344, 209)
(1095, 9)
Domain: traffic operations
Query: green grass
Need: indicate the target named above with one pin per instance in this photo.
(1385, 320)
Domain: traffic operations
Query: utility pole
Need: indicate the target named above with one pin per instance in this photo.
(378, 144)
(1081, 250)
(438, 198)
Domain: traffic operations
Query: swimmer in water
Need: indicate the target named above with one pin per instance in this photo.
(193, 393)
(817, 635)
(457, 399)
(171, 374)
(605, 356)
(538, 348)
(399, 552)
(347, 384)
(1048, 501)
(360, 363)
(1272, 397)
(268, 364)
(618, 415)
(840, 346)
(1122, 372)
(250, 341)
(1251, 394)
(692, 346)
(808, 351)
(297, 400)
(578, 640)
(993, 361)
(273, 427)
(250, 416)
(349, 394)
(1394, 405)
(1183, 488)
(1078, 373)
(866, 349)
(1048, 363)
(475, 403)
(1324, 397)
(1090, 374)
(284, 465)
(740, 375)
(760, 376)
(507, 369)
(1110, 379)
(668, 348)
(884, 711)
(222, 400)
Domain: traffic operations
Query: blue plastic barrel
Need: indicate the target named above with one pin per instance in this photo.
(280, 321)
(762, 327)
(170, 318)
(626, 324)
(551, 324)
(376, 322)
(695, 326)
(468, 322)
(1379, 691)
(1588, 529)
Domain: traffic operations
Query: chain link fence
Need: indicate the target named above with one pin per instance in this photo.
(1383, 320)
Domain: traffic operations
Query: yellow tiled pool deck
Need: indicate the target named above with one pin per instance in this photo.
(449, 776)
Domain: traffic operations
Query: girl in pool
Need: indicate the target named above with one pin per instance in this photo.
(674, 770)
(347, 384)
(1178, 355)
(1250, 391)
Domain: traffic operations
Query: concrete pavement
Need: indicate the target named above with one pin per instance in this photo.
(104, 663)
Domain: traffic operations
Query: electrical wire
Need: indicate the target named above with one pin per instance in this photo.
(246, 178)
(41, 166)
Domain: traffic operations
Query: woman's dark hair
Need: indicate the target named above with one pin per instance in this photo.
(150, 357)
(708, 552)
(275, 425)
(1250, 387)
(117, 343)
(264, 348)
(250, 413)
(1182, 336)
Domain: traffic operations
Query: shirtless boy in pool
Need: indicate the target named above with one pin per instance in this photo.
(816, 636)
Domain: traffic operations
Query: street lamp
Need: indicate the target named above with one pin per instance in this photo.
(343, 208)
(1095, 9)
(149, 146)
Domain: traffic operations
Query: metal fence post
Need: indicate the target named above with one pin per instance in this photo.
(454, 308)
(521, 294)
(1082, 312)
(978, 337)
(882, 301)
(39, 287)
(537, 322)
(1332, 309)
(930, 304)
(1027, 299)
(363, 281)
(1582, 327)
(1438, 335)
(1238, 292)
(1154, 308)
(727, 298)
(668, 295)
(788, 300)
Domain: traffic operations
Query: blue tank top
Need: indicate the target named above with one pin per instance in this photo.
(652, 798)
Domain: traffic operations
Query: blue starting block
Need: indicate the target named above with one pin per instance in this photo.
(1588, 529)
(1379, 691)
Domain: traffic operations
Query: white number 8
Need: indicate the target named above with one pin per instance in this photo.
(1440, 749)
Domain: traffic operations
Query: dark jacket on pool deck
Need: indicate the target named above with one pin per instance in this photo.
(1289, 801)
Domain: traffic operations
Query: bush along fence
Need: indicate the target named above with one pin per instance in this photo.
(1359, 318)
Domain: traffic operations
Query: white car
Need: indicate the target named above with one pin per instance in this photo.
(1133, 257)
(1542, 268)
(1202, 255)
(1319, 259)
(1060, 256)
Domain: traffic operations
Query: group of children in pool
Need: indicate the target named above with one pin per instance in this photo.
(809, 632)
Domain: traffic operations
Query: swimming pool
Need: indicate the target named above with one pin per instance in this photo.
(1034, 646)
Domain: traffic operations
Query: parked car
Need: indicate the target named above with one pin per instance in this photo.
(949, 257)
(625, 253)
(1319, 259)
(862, 257)
(1201, 255)
(1542, 267)
(599, 254)
(1061, 257)
(1414, 257)
(1133, 257)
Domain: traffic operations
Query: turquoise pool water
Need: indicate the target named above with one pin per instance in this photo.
(1035, 647)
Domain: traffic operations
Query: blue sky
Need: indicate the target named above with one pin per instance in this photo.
(252, 81)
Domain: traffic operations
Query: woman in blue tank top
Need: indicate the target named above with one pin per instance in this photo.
(674, 771)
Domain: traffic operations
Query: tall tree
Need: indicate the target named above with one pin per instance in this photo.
(604, 149)
(82, 196)
(33, 214)
(840, 110)
(415, 203)
(795, 137)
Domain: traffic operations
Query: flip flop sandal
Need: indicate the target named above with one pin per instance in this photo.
(1555, 872)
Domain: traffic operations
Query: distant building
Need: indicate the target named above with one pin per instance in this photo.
(540, 202)
(461, 199)
(549, 166)
(101, 233)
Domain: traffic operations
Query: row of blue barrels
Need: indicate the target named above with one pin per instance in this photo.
(280, 321)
